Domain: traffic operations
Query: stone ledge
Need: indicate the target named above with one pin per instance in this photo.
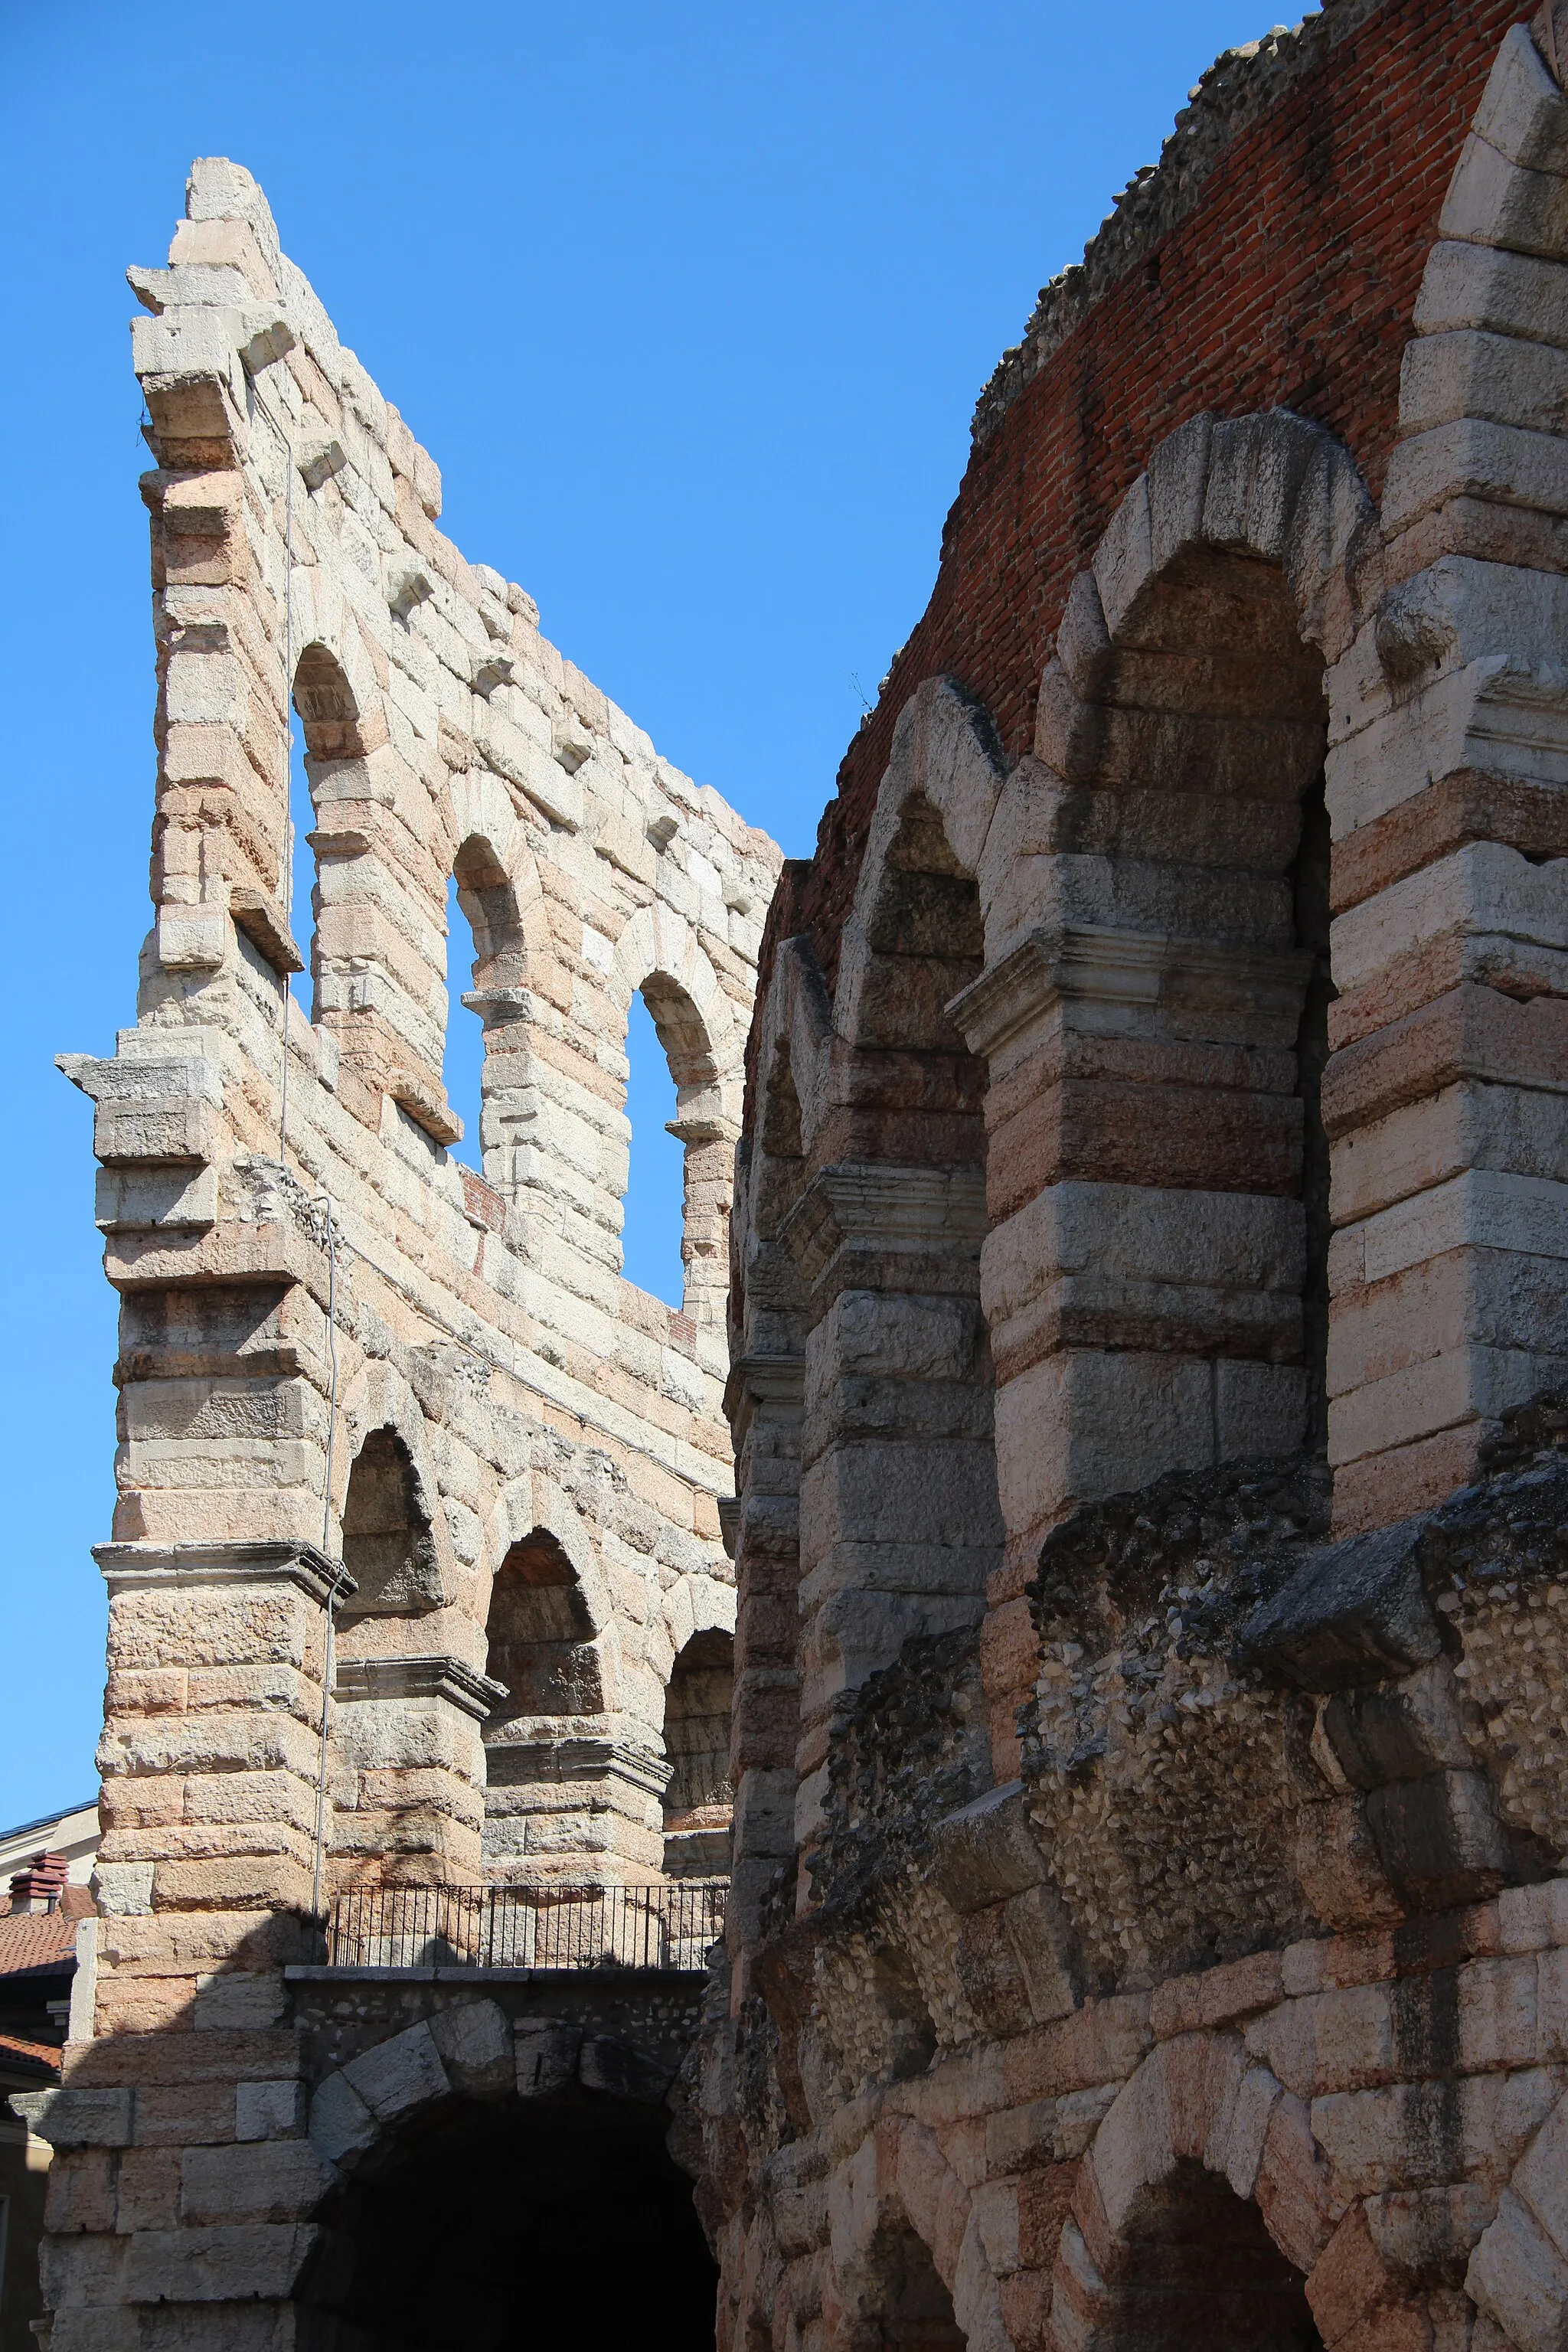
(426, 1676)
(186, 1567)
(303, 1973)
(1260, 988)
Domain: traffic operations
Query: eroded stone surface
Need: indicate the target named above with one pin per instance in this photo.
(374, 1406)
(1150, 1708)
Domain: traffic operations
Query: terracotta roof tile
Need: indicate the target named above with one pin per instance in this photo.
(14, 2050)
(36, 1940)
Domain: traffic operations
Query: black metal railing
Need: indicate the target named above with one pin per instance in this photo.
(671, 1924)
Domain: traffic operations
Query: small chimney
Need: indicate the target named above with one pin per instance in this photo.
(39, 1886)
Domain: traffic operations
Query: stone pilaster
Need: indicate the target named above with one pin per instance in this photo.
(1447, 784)
(898, 1525)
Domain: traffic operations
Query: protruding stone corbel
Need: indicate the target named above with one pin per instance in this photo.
(426, 1106)
(433, 1676)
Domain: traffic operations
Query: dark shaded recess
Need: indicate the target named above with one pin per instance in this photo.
(540, 1634)
(917, 2309)
(328, 712)
(1198, 2266)
(697, 1723)
(388, 1548)
(514, 2229)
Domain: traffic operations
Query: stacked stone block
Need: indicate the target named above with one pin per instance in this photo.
(356, 1378)
(1148, 1301)
(1446, 796)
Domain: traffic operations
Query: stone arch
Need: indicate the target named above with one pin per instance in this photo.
(656, 949)
(906, 1529)
(1154, 1005)
(696, 1027)
(1197, 2137)
(535, 1504)
(898, 2187)
(493, 859)
(918, 874)
(794, 1042)
(500, 894)
(388, 1548)
(699, 1797)
(333, 710)
(558, 1760)
(405, 1712)
(480, 808)
(694, 1605)
(699, 1699)
(376, 956)
(380, 1404)
(478, 2131)
(1445, 769)
(340, 721)
(768, 1304)
(1272, 489)
(794, 1031)
(541, 1636)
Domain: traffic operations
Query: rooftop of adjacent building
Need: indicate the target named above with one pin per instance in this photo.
(72, 1833)
(47, 1904)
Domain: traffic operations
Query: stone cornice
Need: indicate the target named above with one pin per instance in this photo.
(575, 1755)
(909, 1213)
(1124, 971)
(432, 1677)
(188, 1567)
(766, 1379)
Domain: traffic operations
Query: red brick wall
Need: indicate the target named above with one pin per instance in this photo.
(1291, 283)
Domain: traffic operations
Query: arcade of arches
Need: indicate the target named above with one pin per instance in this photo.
(1149, 1914)
(1117, 1650)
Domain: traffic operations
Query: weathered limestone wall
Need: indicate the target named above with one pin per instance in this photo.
(1245, 2002)
(1149, 1769)
(337, 1345)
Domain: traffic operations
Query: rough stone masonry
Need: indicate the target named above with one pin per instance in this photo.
(1148, 1308)
(375, 1408)
(1149, 1316)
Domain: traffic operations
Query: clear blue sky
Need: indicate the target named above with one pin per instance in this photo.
(691, 303)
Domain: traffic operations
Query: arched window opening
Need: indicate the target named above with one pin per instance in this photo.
(699, 1800)
(326, 729)
(909, 1150)
(1196, 2261)
(301, 910)
(485, 968)
(927, 942)
(1204, 795)
(463, 1064)
(669, 1200)
(547, 2220)
(915, 2307)
(654, 1209)
(541, 1634)
(541, 1739)
(388, 1548)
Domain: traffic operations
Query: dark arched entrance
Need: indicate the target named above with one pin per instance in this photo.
(1196, 2265)
(515, 2228)
(916, 2309)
